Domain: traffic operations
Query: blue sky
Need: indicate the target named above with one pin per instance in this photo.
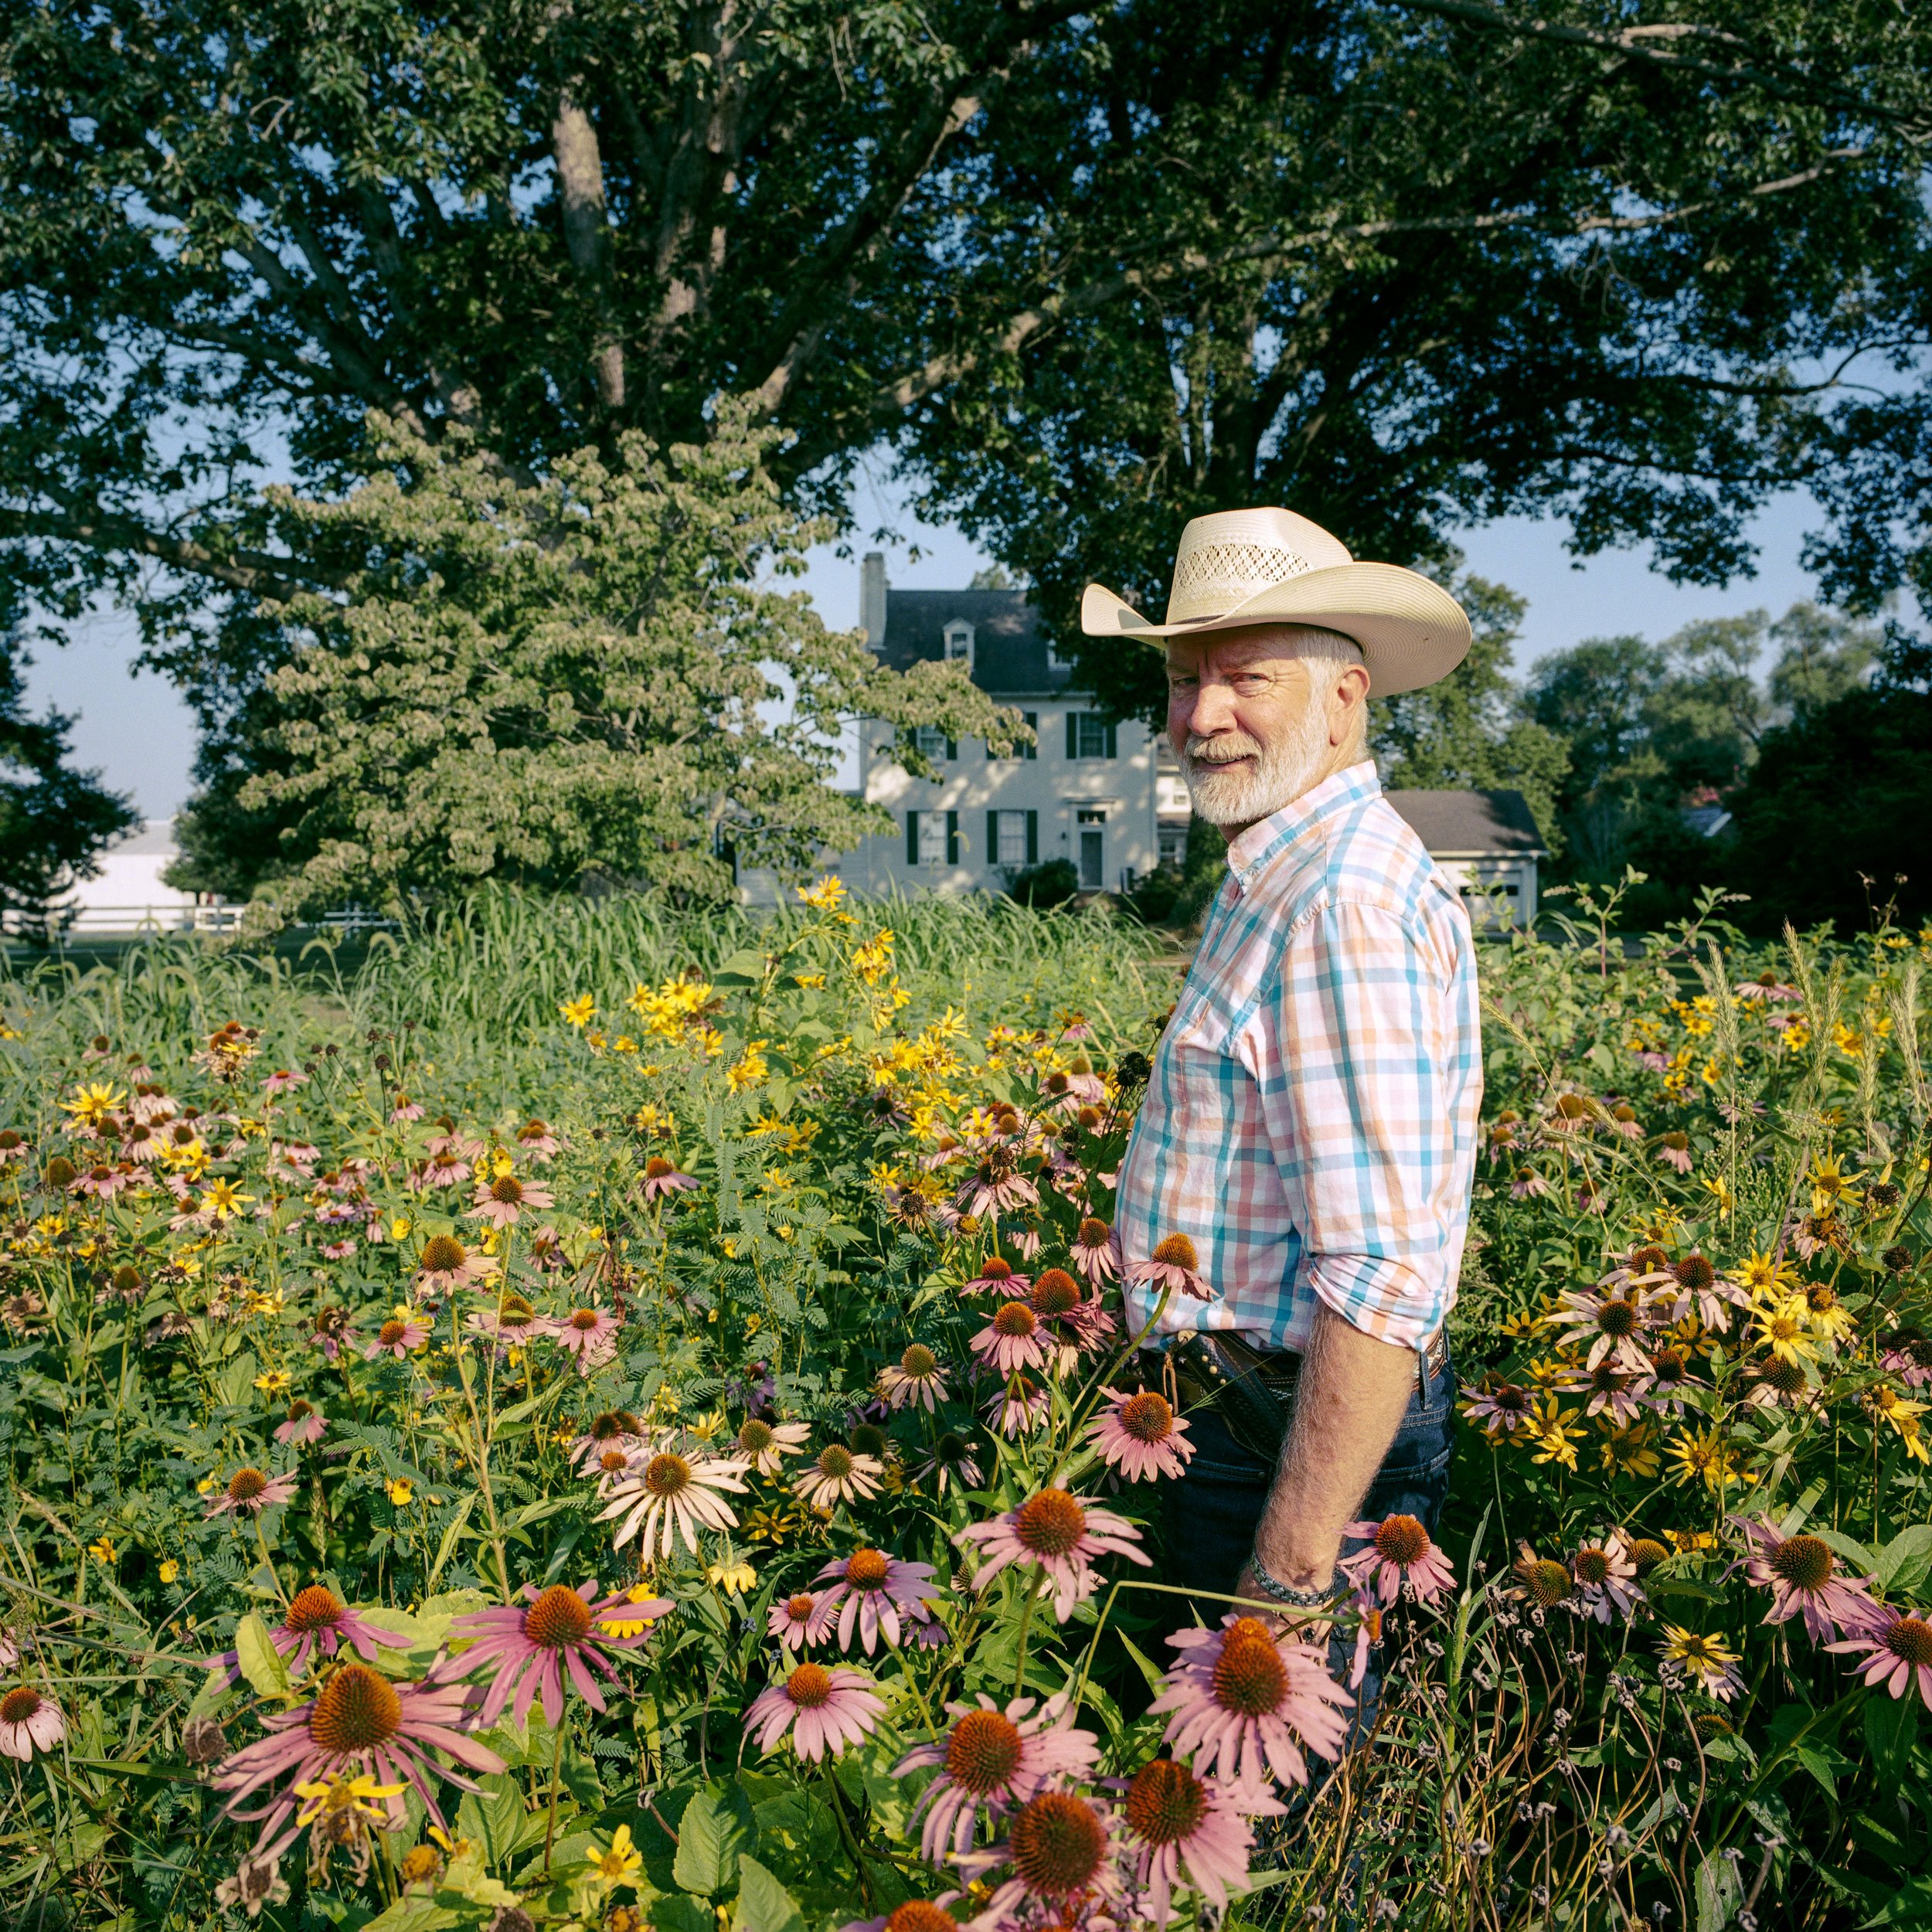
(138, 732)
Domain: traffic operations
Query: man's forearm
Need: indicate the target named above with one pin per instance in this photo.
(1349, 1401)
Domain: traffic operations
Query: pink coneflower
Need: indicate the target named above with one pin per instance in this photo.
(452, 1141)
(536, 1141)
(1606, 1580)
(1174, 1264)
(1613, 1322)
(1498, 1408)
(1141, 1436)
(282, 1081)
(1183, 1823)
(802, 1620)
(1059, 1534)
(839, 1475)
(250, 1492)
(103, 1181)
(304, 1423)
(142, 1145)
(1097, 1251)
(1527, 1184)
(590, 1333)
(1694, 1283)
(443, 1170)
(996, 1186)
(1368, 1634)
(870, 1589)
(1400, 1552)
(672, 1497)
(502, 1201)
(1018, 1408)
(762, 1446)
(445, 1265)
(950, 1460)
(991, 1761)
(14, 1146)
(358, 1723)
(1898, 1648)
(997, 1277)
(662, 1178)
(1243, 1701)
(1612, 1393)
(917, 1377)
(825, 1709)
(1801, 1574)
(332, 1329)
(534, 1642)
(1069, 1315)
(1012, 1340)
(612, 1429)
(1060, 1846)
(338, 1250)
(1673, 1149)
(1624, 1121)
(29, 1723)
(403, 1109)
(511, 1324)
(397, 1337)
(317, 1619)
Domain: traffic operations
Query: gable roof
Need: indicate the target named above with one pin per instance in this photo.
(1471, 824)
(1009, 646)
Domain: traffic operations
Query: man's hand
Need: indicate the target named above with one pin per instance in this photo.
(1351, 1398)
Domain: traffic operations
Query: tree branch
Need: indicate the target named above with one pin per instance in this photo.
(257, 572)
(580, 174)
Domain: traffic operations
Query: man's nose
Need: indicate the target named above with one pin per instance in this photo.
(1213, 709)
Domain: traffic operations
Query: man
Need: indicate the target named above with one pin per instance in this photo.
(1309, 1126)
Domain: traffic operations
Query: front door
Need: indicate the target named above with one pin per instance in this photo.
(1092, 859)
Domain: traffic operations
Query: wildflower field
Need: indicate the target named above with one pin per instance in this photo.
(593, 1421)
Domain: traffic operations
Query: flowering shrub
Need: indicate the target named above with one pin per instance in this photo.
(692, 1472)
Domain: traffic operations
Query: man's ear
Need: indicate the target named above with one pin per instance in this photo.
(1348, 704)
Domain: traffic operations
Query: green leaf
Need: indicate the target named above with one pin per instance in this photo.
(745, 968)
(717, 1826)
(445, 1547)
(493, 1816)
(1850, 1548)
(416, 1914)
(763, 1904)
(1901, 1564)
(1891, 1729)
(261, 1663)
(682, 1913)
(1718, 1892)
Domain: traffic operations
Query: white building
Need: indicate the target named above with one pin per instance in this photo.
(1486, 844)
(127, 896)
(1085, 792)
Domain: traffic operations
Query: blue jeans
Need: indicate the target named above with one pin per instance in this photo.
(1210, 1513)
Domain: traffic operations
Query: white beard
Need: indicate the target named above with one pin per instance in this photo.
(1279, 775)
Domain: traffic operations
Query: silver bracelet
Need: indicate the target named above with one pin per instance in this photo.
(1273, 1588)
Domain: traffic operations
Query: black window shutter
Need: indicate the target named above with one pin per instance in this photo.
(1113, 741)
(992, 838)
(1072, 734)
(952, 747)
(1032, 725)
(952, 838)
(1032, 838)
(912, 839)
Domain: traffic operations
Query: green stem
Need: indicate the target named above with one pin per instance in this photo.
(556, 1778)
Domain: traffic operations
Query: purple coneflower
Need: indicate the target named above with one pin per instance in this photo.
(512, 1324)
(1012, 1340)
(445, 1265)
(1175, 1264)
(1018, 1408)
(870, 1589)
(398, 1336)
(1057, 1533)
(1898, 1648)
(839, 1474)
(1613, 1322)
(997, 1277)
(950, 1460)
(611, 1429)
(802, 1620)
(536, 1141)
(103, 1182)
(533, 1643)
(281, 1082)
(502, 1201)
(1694, 1283)
(1498, 1408)
(1801, 1574)
(1673, 1149)
(1060, 1846)
(590, 1333)
(1097, 1251)
(250, 1492)
(1606, 1579)
(917, 1377)
(1068, 1314)
(992, 1761)
(332, 1329)
(358, 1722)
(339, 1250)
(29, 1723)
(14, 1146)
(1242, 1701)
(317, 1619)
(305, 1423)
(1141, 1436)
(825, 1709)
(1399, 1551)
(996, 1186)
(1183, 1823)
(762, 1446)
(672, 1497)
(404, 1109)
(443, 1170)
(662, 1178)
(911, 1915)
(1611, 1391)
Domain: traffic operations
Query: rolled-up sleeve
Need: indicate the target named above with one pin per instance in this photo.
(1363, 1093)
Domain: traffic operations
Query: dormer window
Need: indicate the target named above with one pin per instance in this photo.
(959, 644)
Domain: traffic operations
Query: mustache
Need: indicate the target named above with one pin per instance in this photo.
(1227, 750)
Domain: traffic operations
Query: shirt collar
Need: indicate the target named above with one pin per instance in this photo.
(1267, 837)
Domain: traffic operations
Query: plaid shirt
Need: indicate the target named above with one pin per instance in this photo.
(1309, 1124)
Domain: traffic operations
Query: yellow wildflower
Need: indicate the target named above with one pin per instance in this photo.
(621, 1861)
(1762, 1274)
(1554, 1432)
(170, 1570)
(273, 1381)
(360, 1794)
(581, 1011)
(734, 1579)
(1782, 1327)
(400, 1492)
(93, 1103)
(101, 1550)
(1704, 1456)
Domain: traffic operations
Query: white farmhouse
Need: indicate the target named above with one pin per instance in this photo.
(1486, 844)
(1085, 792)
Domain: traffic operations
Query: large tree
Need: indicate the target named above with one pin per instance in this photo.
(1404, 263)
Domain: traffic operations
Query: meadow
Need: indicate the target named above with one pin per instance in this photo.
(589, 1419)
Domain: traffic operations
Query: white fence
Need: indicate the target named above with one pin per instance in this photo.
(135, 922)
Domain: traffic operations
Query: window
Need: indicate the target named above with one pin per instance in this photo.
(935, 743)
(1091, 735)
(932, 838)
(1012, 837)
(959, 644)
(1020, 751)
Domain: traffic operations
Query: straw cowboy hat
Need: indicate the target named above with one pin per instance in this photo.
(1241, 567)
